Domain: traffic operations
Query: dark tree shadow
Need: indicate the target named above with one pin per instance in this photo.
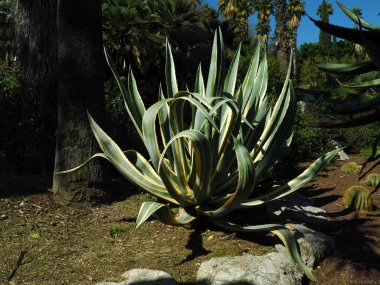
(195, 244)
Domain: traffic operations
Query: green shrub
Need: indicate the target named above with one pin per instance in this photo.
(311, 142)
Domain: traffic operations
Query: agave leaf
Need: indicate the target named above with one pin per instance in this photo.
(367, 84)
(275, 119)
(213, 68)
(287, 238)
(280, 132)
(348, 123)
(167, 216)
(138, 171)
(230, 82)
(352, 35)
(356, 19)
(132, 99)
(350, 68)
(147, 209)
(149, 130)
(250, 77)
(258, 91)
(372, 47)
(170, 76)
(281, 231)
(245, 185)
(164, 123)
(199, 83)
(200, 89)
(222, 66)
(363, 107)
(96, 155)
(201, 165)
(295, 184)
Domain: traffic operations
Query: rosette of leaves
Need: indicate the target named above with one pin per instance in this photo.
(210, 148)
(359, 198)
(351, 168)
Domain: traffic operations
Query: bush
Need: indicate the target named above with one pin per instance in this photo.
(310, 142)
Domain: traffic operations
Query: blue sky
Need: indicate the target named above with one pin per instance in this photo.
(307, 32)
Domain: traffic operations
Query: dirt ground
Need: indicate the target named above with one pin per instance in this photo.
(42, 243)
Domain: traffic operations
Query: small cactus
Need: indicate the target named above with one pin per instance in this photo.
(351, 168)
(372, 179)
(358, 198)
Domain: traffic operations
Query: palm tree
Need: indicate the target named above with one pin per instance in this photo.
(264, 9)
(129, 31)
(282, 34)
(36, 35)
(357, 11)
(238, 11)
(296, 9)
(80, 88)
(324, 11)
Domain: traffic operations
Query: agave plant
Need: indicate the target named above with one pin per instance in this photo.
(359, 198)
(210, 148)
(368, 36)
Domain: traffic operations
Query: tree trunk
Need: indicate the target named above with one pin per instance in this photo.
(80, 88)
(36, 35)
(35, 25)
(294, 48)
(282, 35)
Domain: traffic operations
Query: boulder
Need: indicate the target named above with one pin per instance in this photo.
(275, 268)
(314, 246)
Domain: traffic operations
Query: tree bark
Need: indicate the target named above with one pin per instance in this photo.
(80, 88)
(295, 59)
(282, 35)
(36, 35)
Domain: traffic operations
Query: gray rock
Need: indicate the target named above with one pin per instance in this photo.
(147, 276)
(314, 246)
(144, 277)
(342, 155)
(112, 283)
(275, 268)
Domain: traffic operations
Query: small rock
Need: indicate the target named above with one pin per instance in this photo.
(3, 217)
(144, 276)
(148, 275)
